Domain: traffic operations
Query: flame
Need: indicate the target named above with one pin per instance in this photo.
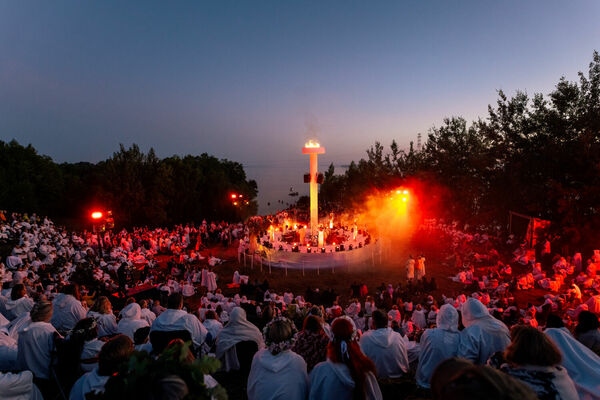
(312, 143)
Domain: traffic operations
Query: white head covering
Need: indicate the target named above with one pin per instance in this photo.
(447, 318)
(238, 329)
(582, 364)
(474, 312)
(132, 311)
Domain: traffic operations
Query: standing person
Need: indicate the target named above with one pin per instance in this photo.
(385, 348)
(420, 270)
(483, 335)
(410, 268)
(438, 344)
(277, 372)
(347, 373)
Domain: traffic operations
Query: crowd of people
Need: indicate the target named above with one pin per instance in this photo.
(75, 307)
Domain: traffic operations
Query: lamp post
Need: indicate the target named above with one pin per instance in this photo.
(313, 148)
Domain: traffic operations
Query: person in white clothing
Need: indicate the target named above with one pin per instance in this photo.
(438, 344)
(239, 329)
(8, 352)
(483, 335)
(212, 324)
(102, 312)
(18, 304)
(114, 352)
(131, 320)
(410, 268)
(174, 319)
(347, 373)
(36, 341)
(277, 372)
(19, 386)
(533, 359)
(68, 309)
(582, 364)
(147, 314)
(385, 348)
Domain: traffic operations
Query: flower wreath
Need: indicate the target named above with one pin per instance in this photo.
(276, 348)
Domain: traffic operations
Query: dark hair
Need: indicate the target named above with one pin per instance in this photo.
(73, 290)
(140, 335)
(70, 356)
(210, 314)
(380, 319)
(529, 346)
(477, 382)
(586, 321)
(175, 301)
(554, 321)
(312, 324)
(114, 352)
(18, 291)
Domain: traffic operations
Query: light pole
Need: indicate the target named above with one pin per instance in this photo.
(313, 148)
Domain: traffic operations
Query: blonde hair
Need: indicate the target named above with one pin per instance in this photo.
(102, 305)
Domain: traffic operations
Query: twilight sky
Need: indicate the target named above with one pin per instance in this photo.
(251, 80)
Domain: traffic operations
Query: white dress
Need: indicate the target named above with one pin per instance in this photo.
(281, 376)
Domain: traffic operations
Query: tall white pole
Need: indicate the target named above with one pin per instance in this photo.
(314, 196)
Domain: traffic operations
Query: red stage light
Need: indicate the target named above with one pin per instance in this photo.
(96, 215)
(234, 196)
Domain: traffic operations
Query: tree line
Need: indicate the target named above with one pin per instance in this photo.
(538, 155)
(140, 188)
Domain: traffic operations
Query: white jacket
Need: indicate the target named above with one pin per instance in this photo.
(174, 320)
(282, 376)
(67, 312)
(19, 386)
(387, 350)
(330, 380)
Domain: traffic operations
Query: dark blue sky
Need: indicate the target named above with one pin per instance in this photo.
(250, 80)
